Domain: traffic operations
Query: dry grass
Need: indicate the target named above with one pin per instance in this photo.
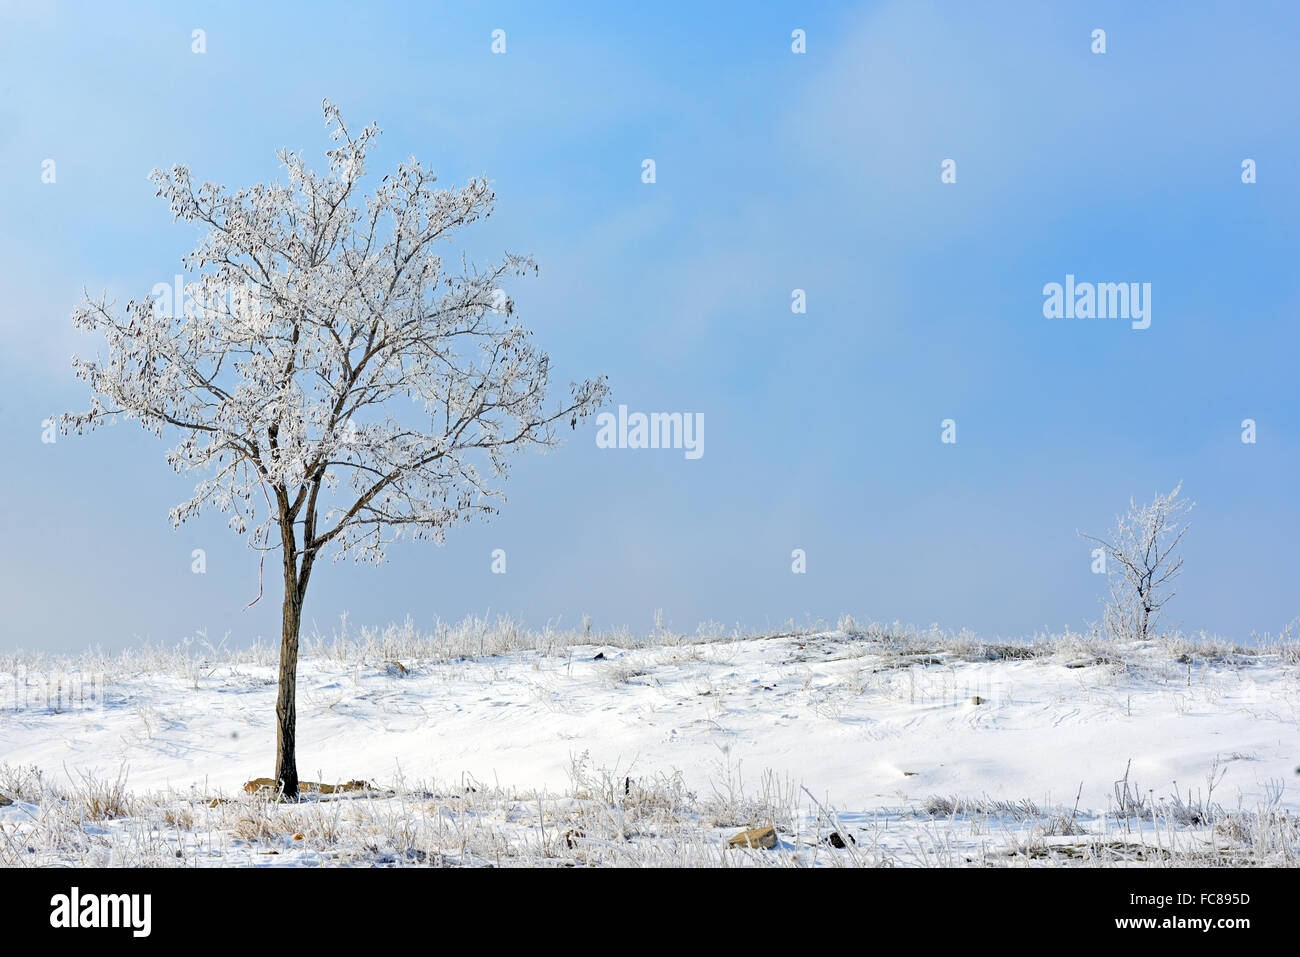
(477, 638)
(611, 816)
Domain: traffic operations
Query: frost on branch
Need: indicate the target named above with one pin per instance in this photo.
(1143, 561)
(330, 375)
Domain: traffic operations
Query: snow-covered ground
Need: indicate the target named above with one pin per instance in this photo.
(921, 748)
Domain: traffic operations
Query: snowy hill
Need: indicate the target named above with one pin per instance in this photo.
(922, 748)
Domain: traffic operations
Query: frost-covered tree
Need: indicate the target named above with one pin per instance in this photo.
(1142, 561)
(336, 382)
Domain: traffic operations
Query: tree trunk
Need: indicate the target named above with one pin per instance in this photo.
(1144, 601)
(286, 702)
(286, 710)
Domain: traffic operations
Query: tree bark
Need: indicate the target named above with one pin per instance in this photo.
(286, 706)
(286, 701)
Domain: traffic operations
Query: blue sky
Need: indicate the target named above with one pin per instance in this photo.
(775, 171)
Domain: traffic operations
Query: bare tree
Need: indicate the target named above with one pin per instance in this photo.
(1142, 561)
(329, 366)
